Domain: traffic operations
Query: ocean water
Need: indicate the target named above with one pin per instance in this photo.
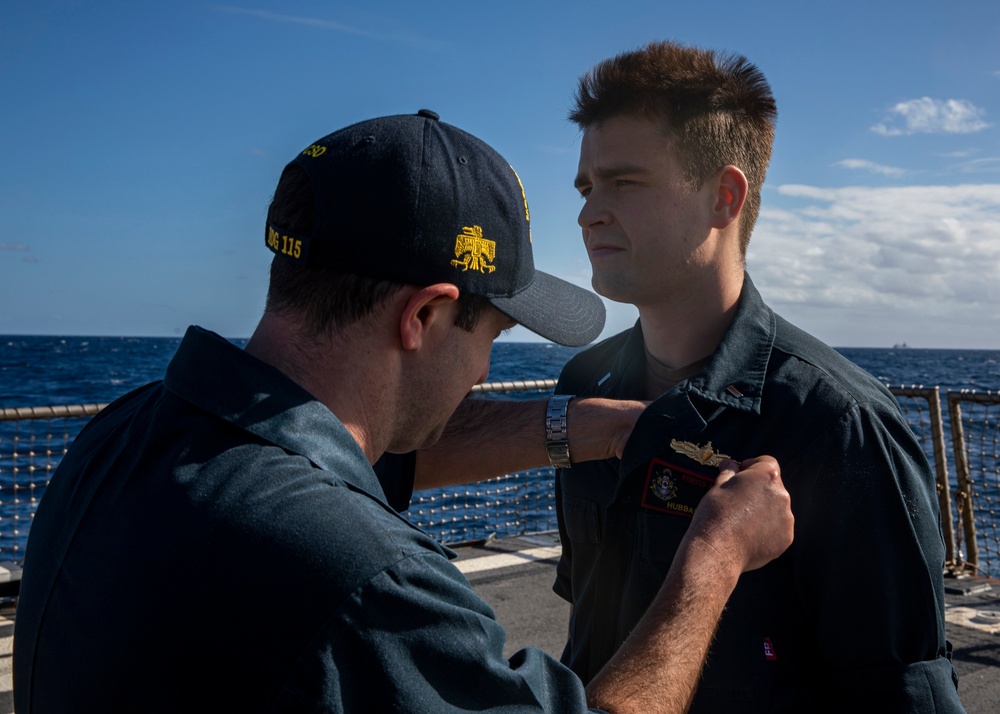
(45, 371)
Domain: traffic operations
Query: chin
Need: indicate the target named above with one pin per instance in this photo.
(413, 442)
(612, 291)
(430, 439)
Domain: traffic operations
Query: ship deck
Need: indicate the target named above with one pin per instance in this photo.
(515, 576)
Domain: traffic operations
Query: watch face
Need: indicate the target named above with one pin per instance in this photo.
(559, 455)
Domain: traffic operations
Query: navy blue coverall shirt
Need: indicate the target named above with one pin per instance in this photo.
(218, 542)
(850, 618)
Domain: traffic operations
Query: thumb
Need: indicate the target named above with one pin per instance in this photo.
(727, 469)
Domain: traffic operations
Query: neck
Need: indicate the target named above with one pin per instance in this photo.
(339, 371)
(661, 378)
(682, 332)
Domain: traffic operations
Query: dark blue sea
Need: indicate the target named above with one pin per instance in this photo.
(45, 370)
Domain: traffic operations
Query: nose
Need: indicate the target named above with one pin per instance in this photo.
(593, 213)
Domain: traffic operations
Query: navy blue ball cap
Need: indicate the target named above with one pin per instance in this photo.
(414, 200)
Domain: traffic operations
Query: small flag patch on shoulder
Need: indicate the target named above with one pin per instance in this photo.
(769, 649)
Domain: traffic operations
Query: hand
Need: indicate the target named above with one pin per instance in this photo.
(746, 517)
(743, 522)
(599, 428)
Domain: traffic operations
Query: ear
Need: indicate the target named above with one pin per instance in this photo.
(426, 308)
(730, 194)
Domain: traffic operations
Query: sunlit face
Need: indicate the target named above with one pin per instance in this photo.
(459, 361)
(645, 230)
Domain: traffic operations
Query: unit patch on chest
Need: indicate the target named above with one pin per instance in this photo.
(672, 489)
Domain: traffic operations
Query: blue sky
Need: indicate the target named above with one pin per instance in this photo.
(141, 141)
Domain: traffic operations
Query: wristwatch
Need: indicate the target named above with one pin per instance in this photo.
(556, 437)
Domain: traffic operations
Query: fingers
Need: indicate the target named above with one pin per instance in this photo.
(762, 464)
(765, 467)
(747, 512)
(628, 413)
(727, 469)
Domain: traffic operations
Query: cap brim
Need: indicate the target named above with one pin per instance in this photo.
(556, 310)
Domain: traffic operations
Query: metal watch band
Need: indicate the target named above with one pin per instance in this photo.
(556, 437)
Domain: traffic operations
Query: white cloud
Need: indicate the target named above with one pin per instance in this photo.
(865, 165)
(295, 19)
(399, 35)
(932, 116)
(874, 266)
(980, 165)
(14, 246)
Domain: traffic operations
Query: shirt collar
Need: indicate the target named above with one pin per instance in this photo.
(626, 377)
(735, 375)
(733, 379)
(219, 377)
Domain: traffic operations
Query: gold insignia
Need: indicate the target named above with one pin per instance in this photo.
(480, 251)
(314, 151)
(704, 455)
(524, 197)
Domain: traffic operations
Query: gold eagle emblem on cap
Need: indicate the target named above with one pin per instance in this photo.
(704, 455)
(473, 251)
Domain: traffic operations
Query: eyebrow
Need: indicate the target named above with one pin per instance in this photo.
(610, 172)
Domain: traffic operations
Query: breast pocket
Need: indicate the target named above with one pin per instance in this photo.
(657, 536)
(739, 672)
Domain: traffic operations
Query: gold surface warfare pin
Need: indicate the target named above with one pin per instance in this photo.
(704, 455)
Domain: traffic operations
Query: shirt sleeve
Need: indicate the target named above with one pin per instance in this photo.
(870, 558)
(417, 638)
(563, 585)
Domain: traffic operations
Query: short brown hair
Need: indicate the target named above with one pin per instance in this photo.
(327, 299)
(717, 109)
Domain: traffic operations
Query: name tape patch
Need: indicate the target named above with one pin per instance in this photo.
(673, 489)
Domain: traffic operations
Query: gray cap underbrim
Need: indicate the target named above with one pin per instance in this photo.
(556, 310)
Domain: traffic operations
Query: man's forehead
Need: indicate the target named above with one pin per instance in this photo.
(622, 145)
(658, 123)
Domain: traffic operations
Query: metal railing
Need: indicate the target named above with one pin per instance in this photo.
(968, 496)
(34, 439)
(975, 433)
(509, 505)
